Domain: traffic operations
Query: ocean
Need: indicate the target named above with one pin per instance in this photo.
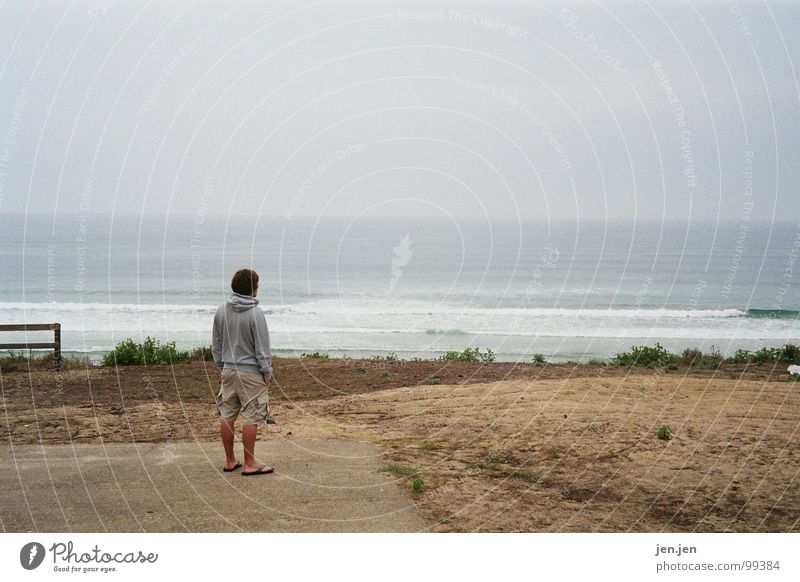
(416, 287)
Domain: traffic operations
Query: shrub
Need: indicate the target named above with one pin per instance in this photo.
(765, 355)
(712, 359)
(787, 353)
(390, 357)
(694, 357)
(741, 356)
(691, 356)
(539, 359)
(315, 355)
(417, 484)
(468, 355)
(790, 353)
(202, 354)
(12, 361)
(70, 362)
(646, 356)
(41, 361)
(150, 351)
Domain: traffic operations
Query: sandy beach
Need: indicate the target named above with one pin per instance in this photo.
(481, 447)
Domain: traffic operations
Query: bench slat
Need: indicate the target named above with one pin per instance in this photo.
(32, 346)
(28, 326)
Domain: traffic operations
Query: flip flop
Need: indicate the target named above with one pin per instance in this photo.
(262, 470)
(232, 469)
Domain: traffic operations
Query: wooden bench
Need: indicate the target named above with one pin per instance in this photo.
(55, 345)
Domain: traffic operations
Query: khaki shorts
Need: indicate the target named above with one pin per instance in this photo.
(243, 394)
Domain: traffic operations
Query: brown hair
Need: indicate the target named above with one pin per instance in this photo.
(244, 282)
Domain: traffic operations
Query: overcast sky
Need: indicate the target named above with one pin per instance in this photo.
(514, 108)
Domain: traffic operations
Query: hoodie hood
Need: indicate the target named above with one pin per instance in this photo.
(242, 302)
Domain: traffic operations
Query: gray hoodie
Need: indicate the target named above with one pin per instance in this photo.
(240, 339)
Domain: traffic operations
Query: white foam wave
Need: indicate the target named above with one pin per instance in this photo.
(371, 307)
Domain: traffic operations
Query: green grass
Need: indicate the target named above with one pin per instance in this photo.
(434, 381)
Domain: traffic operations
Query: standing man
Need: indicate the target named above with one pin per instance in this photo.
(242, 352)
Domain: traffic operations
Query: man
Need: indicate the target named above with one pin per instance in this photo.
(242, 352)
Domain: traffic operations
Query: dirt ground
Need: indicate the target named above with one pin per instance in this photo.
(482, 447)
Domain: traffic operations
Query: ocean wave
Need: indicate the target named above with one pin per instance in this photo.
(347, 307)
(446, 332)
(55, 306)
(773, 313)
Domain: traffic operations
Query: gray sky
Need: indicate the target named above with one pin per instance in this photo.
(623, 109)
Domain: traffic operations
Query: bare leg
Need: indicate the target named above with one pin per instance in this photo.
(226, 433)
(249, 434)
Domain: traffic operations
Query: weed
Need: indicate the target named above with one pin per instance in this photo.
(315, 356)
(664, 432)
(434, 380)
(538, 359)
(417, 484)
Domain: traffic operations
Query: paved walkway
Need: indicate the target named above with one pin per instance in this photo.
(317, 487)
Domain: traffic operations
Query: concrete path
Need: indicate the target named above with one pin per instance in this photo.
(330, 486)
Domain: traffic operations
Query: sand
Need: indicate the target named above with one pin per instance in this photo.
(497, 447)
